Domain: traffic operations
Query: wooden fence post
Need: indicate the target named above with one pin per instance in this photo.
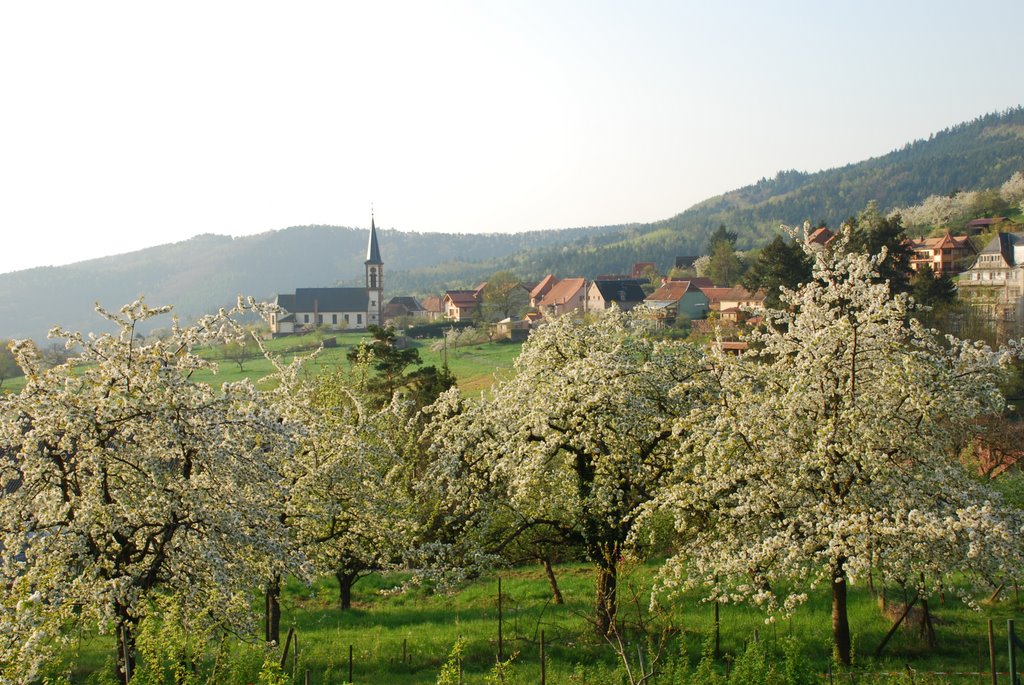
(542, 668)
(287, 645)
(501, 653)
(992, 653)
(1010, 640)
(350, 663)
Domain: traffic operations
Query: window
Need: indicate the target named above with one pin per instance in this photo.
(319, 319)
(305, 318)
(334, 319)
(346, 318)
(359, 319)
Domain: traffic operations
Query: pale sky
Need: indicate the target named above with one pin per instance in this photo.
(130, 124)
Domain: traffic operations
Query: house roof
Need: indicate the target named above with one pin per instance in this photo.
(622, 278)
(1006, 244)
(716, 295)
(563, 291)
(543, 287)
(981, 223)
(433, 303)
(410, 303)
(620, 291)
(821, 236)
(702, 282)
(735, 294)
(325, 300)
(672, 291)
(286, 301)
(462, 298)
(947, 240)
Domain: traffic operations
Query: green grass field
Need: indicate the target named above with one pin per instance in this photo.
(476, 367)
(424, 626)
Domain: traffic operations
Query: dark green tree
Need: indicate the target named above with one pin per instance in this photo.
(930, 289)
(781, 263)
(725, 268)
(870, 232)
(721, 234)
(391, 363)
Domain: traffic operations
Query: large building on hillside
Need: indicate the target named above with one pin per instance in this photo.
(994, 285)
(335, 308)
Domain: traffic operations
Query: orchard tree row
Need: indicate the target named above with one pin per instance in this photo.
(825, 455)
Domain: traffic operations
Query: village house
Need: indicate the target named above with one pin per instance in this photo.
(978, 225)
(725, 299)
(993, 283)
(335, 308)
(404, 306)
(675, 299)
(463, 305)
(946, 255)
(820, 238)
(433, 307)
(567, 295)
(538, 291)
(624, 294)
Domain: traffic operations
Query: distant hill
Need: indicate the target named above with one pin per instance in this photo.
(208, 271)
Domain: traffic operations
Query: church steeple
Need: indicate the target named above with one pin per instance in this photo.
(374, 278)
(373, 249)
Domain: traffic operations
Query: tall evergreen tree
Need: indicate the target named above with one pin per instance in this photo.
(721, 234)
(870, 232)
(781, 263)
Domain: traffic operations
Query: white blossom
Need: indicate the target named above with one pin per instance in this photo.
(829, 452)
(123, 477)
(578, 439)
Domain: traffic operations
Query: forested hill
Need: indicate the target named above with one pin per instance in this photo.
(975, 155)
(208, 271)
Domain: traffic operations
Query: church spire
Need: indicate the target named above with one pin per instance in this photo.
(373, 249)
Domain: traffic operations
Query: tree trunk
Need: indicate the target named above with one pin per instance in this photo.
(607, 579)
(273, 610)
(556, 594)
(346, 579)
(840, 618)
(125, 646)
(927, 629)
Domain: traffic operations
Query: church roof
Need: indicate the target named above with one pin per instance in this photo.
(325, 300)
(373, 249)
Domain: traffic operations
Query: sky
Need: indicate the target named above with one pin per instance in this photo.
(125, 125)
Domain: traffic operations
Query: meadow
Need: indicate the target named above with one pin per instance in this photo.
(406, 637)
(476, 366)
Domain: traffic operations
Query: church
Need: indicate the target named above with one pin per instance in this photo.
(335, 308)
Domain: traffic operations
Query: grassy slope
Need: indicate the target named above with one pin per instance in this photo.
(475, 367)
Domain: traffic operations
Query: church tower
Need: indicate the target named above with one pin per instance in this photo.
(374, 279)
